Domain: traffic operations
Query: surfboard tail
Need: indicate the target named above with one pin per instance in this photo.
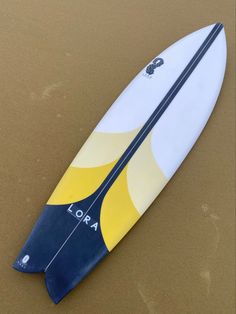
(48, 233)
(63, 275)
(65, 263)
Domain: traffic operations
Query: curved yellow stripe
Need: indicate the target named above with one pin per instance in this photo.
(103, 148)
(78, 183)
(145, 178)
(118, 213)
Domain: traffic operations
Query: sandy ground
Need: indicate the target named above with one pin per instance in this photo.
(62, 63)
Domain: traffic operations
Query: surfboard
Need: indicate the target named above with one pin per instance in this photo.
(126, 161)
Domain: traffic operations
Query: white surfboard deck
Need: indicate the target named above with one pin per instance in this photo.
(170, 140)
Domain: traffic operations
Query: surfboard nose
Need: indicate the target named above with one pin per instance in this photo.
(214, 24)
(221, 37)
(220, 25)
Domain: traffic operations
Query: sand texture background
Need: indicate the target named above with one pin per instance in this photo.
(62, 64)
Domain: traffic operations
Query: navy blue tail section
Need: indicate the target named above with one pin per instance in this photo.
(78, 257)
(45, 250)
(49, 232)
